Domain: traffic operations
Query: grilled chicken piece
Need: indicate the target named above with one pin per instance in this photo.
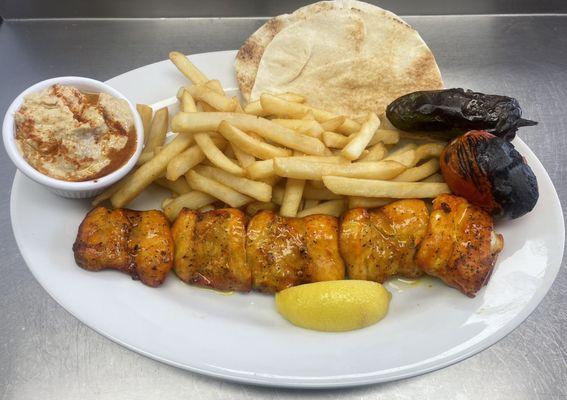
(210, 249)
(138, 243)
(284, 252)
(380, 243)
(461, 246)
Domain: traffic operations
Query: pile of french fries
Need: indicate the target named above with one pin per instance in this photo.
(276, 153)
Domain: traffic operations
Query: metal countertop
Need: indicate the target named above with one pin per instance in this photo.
(47, 354)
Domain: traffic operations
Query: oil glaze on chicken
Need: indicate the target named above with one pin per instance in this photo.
(222, 250)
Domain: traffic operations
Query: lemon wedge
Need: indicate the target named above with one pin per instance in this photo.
(334, 306)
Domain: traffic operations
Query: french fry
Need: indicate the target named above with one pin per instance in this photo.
(309, 203)
(216, 156)
(216, 189)
(257, 206)
(306, 127)
(166, 201)
(146, 113)
(218, 101)
(257, 190)
(375, 153)
(418, 173)
(325, 159)
(147, 173)
(282, 108)
(292, 197)
(404, 155)
(107, 194)
(189, 158)
(331, 207)
(261, 170)
(313, 193)
(215, 86)
(278, 194)
(244, 159)
(187, 102)
(335, 140)
(199, 122)
(238, 108)
(255, 108)
(360, 140)
(229, 152)
(158, 130)
(377, 188)
(429, 150)
(199, 106)
(272, 180)
(308, 116)
(146, 156)
(333, 123)
(367, 202)
(294, 167)
(249, 144)
(386, 136)
(187, 68)
(434, 178)
(178, 186)
(192, 200)
(316, 185)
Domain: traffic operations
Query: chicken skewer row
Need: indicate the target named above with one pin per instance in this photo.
(219, 249)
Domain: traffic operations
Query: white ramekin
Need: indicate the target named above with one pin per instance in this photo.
(77, 190)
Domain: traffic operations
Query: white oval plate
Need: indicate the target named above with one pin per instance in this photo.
(241, 337)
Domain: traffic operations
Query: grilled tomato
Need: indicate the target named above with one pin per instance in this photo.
(490, 173)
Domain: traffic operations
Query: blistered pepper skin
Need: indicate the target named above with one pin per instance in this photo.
(446, 114)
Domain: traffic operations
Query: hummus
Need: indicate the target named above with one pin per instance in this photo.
(75, 136)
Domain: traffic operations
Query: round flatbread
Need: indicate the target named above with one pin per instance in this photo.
(344, 56)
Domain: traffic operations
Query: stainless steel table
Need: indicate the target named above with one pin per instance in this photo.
(46, 354)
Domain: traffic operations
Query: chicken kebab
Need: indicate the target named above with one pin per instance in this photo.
(220, 249)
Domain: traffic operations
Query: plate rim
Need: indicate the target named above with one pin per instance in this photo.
(327, 381)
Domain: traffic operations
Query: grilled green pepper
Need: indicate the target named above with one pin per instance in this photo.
(448, 113)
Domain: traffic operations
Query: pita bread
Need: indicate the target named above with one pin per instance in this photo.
(344, 56)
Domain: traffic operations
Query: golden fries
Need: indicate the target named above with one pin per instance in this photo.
(249, 144)
(216, 189)
(331, 207)
(375, 153)
(367, 202)
(244, 159)
(334, 140)
(333, 123)
(429, 150)
(295, 167)
(434, 178)
(147, 173)
(178, 186)
(418, 173)
(192, 200)
(216, 156)
(307, 127)
(207, 95)
(158, 130)
(386, 136)
(255, 108)
(257, 190)
(376, 188)
(230, 154)
(187, 102)
(187, 68)
(292, 197)
(261, 170)
(280, 107)
(146, 114)
(199, 122)
(360, 140)
(404, 155)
